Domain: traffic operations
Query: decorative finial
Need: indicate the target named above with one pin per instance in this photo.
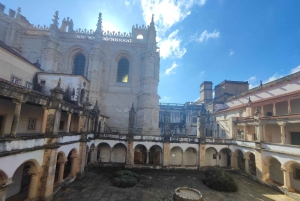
(152, 21)
(59, 82)
(260, 86)
(99, 24)
(18, 14)
(19, 11)
(55, 20)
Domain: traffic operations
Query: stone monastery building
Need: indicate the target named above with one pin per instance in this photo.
(72, 98)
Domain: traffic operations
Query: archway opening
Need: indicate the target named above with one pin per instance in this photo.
(104, 153)
(140, 154)
(119, 153)
(275, 172)
(190, 157)
(176, 156)
(60, 166)
(210, 157)
(155, 155)
(224, 158)
(23, 184)
(69, 163)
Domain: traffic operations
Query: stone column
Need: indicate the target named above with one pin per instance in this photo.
(166, 156)
(217, 159)
(274, 109)
(16, 118)
(233, 161)
(287, 178)
(247, 164)
(202, 155)
(33, 186)
(110, 155)
(130, 152)
(61, 172)
(148, 156)
(3, 192)
(43, 130)
(69, 121)
(245, 132)
(79, 123)
(73, 166)
(289, 106)
(182, 159)
(266, 173)
(282, 132)
(262, 111)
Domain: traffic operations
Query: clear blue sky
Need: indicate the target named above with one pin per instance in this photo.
(203, 40)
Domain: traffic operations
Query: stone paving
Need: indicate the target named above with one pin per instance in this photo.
(160, 185)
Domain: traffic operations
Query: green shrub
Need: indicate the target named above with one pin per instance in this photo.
(220, 180)
(124, 178)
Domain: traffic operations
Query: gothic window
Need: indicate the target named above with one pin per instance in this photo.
(123, 70)
(79, 64)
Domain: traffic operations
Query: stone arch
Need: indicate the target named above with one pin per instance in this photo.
(273, 171)
(3, 178)
(224, 157)
(240, 159)
(190, 157)
(140, 154)
(87, 154)
(104, 152)
(71, 54)
(292, 169)
(119, 153)
(210, 156)
(92, 154)
(155, 155)
(25, 181)
(176, 156)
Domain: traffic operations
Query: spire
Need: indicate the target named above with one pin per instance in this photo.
(99, 24)
(55, 20)
(18, 14)
(59, 82)
(152, 21)
(132, 108)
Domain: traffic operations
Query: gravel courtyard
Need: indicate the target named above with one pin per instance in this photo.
(160, 185)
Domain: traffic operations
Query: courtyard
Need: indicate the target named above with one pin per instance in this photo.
(159, 185)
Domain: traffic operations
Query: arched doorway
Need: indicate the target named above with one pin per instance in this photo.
(224, 157)
(176, 156)
(87, 155)
(190, 157)
(140, 154)
(210, 156)
(155, 155)
(119, 153)
(292, 171)
(240, 159)
(252, 164)
(275, 172)
(104, 153)
(25, 180)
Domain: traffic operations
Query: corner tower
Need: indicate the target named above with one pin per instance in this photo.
(206, 92)
(148, 109)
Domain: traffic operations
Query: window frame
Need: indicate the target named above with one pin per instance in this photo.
(31, 123)
(119, 67)
(18, 79)
(85, 63)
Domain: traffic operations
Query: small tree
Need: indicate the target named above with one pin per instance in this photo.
(220, 180)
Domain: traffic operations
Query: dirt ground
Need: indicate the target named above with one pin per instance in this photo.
(160, 185)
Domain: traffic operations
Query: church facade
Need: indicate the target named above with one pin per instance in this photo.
(70, 99)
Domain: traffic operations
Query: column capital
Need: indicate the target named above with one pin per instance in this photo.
(45, 107)
(284, 169)
(70, 112)
(281, 123)
(247, 158)
(16, 101)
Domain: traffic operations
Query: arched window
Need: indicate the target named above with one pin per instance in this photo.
(79, 64)
(123, 70)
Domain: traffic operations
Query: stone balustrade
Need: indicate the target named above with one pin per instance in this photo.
(244, 143)
(18, 144)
